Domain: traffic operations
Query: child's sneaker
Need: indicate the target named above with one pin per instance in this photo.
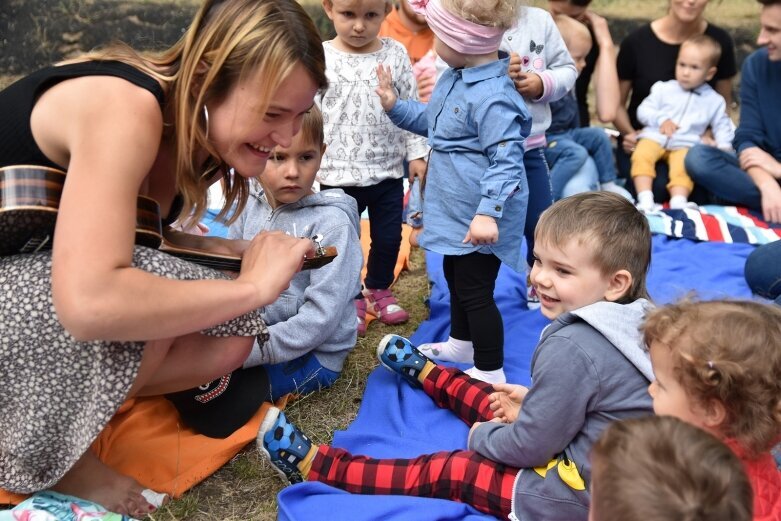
(532, 299)
(283, 445)
(382, 304)
(397, 354)
(360, 311)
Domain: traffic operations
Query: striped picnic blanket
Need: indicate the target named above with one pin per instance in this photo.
(714, 223)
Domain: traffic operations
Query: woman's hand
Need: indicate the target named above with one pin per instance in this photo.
(270, 262)
(506, 401)
(482, 230)
(629, 142)
(385, 88)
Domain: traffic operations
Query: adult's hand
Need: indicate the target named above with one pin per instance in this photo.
(771, 201)
(600, 27)
(756, 157)
(629, 142)
(270, 262)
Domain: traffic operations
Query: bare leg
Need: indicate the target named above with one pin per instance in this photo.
(192, 360)
(166, 366)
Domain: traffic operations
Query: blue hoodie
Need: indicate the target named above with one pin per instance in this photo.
(316, 313)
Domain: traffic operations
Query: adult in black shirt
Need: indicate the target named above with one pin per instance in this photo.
(600, 62)
(648, 55)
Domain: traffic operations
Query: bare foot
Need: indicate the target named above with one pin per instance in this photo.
(93, 480)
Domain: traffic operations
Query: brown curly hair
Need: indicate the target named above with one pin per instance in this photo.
(730, 351)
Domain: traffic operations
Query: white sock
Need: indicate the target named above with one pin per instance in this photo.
(452, 350)
(678, 202)
(611, 186)
(491, 377)
(645, 200)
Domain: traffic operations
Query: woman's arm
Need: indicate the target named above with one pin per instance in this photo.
(724, 87)
(97, 293)
(624, 126)
(606, 87)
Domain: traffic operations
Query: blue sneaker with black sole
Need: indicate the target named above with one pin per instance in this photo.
(397, 354)
(280, 442)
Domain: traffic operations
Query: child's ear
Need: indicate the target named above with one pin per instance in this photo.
(620, 284)
(388, 8)
(328, 8)
(714, 414)
(711, 73)
(322, 149)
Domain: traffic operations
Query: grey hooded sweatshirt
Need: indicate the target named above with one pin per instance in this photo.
(589, 369)
(316, 313)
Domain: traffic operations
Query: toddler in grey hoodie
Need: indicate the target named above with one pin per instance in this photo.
(529, 447)
(312, 325)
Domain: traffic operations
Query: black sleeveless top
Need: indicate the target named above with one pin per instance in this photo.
(17, 145)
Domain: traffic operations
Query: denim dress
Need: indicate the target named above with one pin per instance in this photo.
(476, 125)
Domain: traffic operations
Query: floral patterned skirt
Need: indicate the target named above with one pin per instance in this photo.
(57, 394)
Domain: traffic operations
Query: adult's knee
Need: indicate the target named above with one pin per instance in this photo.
(701, 162)
(763, 270)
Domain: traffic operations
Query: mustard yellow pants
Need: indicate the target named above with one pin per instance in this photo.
(648, 152)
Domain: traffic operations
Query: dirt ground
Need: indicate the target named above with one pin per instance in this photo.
(35, 33)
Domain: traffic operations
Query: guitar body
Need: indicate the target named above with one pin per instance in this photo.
(29, 201)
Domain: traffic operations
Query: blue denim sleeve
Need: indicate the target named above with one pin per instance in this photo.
(502, 127)
(410, 115)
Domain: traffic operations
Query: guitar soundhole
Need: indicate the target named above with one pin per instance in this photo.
(23, 231)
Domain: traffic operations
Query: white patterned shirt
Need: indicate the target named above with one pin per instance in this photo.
(364, 147)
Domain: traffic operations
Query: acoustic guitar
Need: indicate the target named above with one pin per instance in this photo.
(30, 198)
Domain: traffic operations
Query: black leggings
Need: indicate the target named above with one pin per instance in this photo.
(474, 315)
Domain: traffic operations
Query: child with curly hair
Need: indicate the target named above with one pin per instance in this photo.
(717, 366)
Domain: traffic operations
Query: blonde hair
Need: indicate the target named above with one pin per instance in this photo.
(491, 13)
(312, 127)
(616, 232)
(707, 44)
(227, 42)
(730, 351)
(660, 468)
(572, 30)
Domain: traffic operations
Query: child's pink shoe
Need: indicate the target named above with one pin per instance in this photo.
(360, 311)
(382, 304)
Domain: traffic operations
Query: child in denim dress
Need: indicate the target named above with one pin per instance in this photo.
(476, 190)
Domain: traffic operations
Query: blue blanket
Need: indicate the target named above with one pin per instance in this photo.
(396, 420)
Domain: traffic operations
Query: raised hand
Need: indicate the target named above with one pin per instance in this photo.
(385, 89)
(506, 401)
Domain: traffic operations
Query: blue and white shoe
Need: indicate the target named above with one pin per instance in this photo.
(397, 354)
(283, 445)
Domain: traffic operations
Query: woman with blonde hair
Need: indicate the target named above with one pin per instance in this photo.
(98, 320)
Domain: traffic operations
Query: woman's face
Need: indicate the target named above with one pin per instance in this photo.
(687, 11)
(243, 134)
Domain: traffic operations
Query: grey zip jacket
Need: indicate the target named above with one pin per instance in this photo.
(589, 369)
(316, 313)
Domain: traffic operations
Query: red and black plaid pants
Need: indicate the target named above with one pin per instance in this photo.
(460, 475)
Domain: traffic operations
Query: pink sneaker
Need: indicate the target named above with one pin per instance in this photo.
(360, 311)
(382, 304)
